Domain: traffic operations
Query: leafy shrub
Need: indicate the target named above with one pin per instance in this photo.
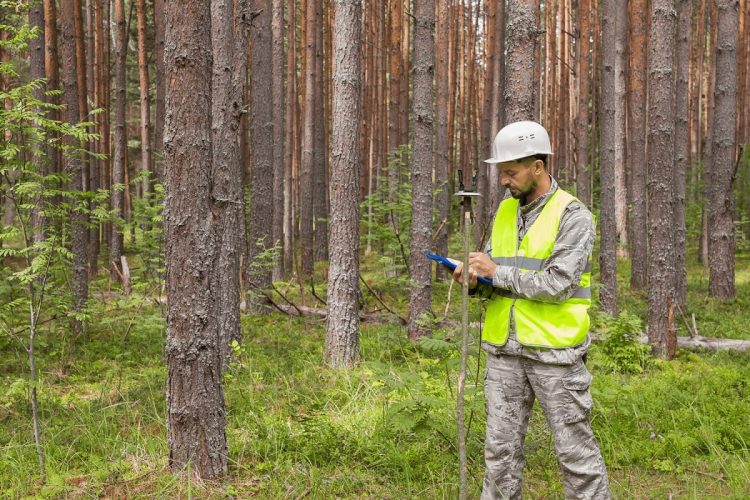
(621, 349)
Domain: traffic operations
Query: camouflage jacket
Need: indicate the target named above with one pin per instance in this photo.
(572, 250)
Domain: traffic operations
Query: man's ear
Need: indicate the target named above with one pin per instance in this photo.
(538, 166)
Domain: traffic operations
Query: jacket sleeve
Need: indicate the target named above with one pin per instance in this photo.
(563, 269)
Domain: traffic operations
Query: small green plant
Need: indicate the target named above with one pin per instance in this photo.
(621, 349)
(34, 251)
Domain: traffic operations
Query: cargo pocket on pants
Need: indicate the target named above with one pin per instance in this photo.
(579, 404)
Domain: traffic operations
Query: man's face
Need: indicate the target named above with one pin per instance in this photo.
(520, 177)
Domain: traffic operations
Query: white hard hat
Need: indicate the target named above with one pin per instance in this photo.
(519, 140)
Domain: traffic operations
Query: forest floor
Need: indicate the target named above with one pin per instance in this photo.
(296, 429)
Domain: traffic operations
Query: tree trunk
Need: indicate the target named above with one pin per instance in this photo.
(637, 142)
(342, 338)
(291, 137)
(71, 98)
(36, 72)
(443, 196)
(146, 167)
(52, 72)
(229, 43)
(159, 101)
(195, 399)
(722, 164)
(117, 196)
(308, 137)
(660, 155)
(257, 267)
(608, 219)
(277, 70)
(621, 62)
(522, 28)
(497, 119)
(320, 171)
(583, 117)
(682, 146)
(420, 298)
(94, 165)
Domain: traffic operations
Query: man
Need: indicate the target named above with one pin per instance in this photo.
(536, 327)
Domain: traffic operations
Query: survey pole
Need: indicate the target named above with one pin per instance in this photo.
(466, 196)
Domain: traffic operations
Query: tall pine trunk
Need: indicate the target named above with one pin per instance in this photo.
(722, 164)
(583, 116)
(117, 196)
(342, 338)
(74, 164)
(522, 28)
(160, 87)
(608, 219)
(420, 298)
(146, 167)
(320, 161)
(682, 146)
(306, 174)
(229, 42)
(442, 197)
(259, 234)
(36, 72)
(636, 158)
(196, 419)
(660, 157)
(277, 71)
(620, 136)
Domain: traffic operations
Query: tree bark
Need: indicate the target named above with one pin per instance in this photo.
(443, 196)
(637, 142)
(71, 98)
(620, 67)
(291, 137)
(160, 88)
(682, 146)
(583, 116)
(195, 399)
(52, 72)
(496, 190)
(660, 155)
(308, 137)
(229, 44)
(277, 70)
(258, 271)
(342, 338)
(36, 72)
(117, 196)
(722, 163)
(146, 155)
(420, 298)
(608, 218)
(320, 170)
(522, 28)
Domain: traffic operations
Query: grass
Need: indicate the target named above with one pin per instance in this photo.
(384, 430)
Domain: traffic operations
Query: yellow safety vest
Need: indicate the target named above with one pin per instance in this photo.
(538, 324)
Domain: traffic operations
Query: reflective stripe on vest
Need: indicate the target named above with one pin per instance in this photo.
(541, 324)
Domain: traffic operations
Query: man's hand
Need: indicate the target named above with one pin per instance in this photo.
(458, 275)
(482, 265)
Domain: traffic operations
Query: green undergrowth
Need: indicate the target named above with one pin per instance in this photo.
(383, 430)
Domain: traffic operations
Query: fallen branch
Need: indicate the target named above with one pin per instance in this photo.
(693, 342)
(401, 320)
(285, 299)
(371, 318)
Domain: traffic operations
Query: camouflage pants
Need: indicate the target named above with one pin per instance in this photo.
(510, 386)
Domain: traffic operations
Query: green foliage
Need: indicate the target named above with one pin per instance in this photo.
(620, 347)
(386, 215)
(146, 219)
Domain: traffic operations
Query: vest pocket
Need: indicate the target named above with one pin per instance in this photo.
(579, 402)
